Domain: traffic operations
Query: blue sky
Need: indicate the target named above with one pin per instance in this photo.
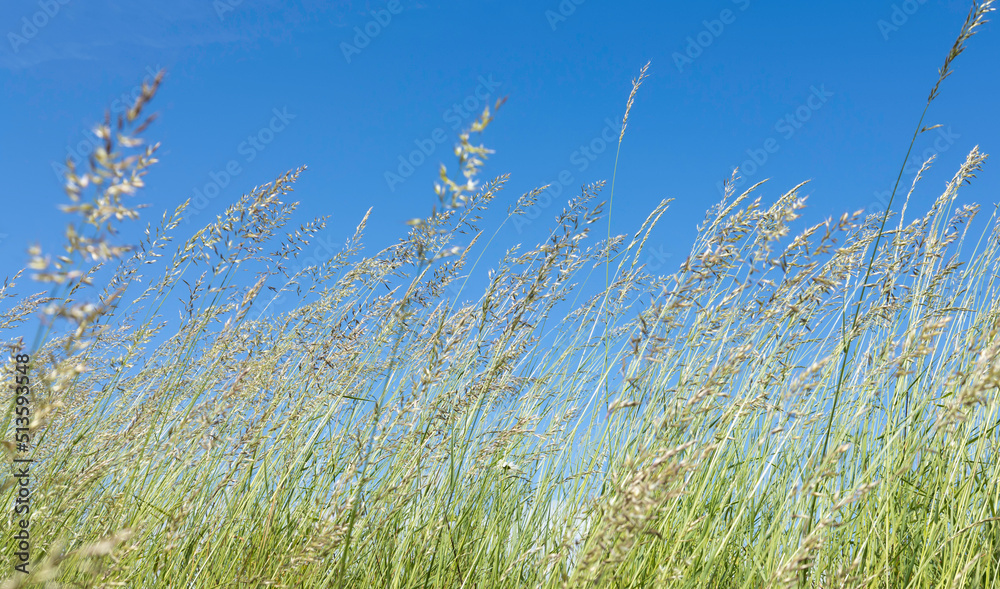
(827, 92)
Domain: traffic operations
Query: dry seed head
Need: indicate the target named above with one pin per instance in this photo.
(631, 98)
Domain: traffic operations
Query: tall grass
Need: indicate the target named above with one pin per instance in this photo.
(818, 409)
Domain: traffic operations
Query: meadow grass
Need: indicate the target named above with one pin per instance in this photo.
(813, 410)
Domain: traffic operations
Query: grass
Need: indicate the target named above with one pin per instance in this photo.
(813, 410)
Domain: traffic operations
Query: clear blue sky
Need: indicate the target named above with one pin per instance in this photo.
(834, 90)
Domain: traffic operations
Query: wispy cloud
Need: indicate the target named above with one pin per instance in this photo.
(89, 30)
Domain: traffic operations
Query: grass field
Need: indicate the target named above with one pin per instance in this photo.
(815, 408)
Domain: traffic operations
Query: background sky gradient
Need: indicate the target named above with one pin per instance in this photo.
(826, 92)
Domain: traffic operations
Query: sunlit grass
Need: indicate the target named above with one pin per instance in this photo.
(817, 409)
